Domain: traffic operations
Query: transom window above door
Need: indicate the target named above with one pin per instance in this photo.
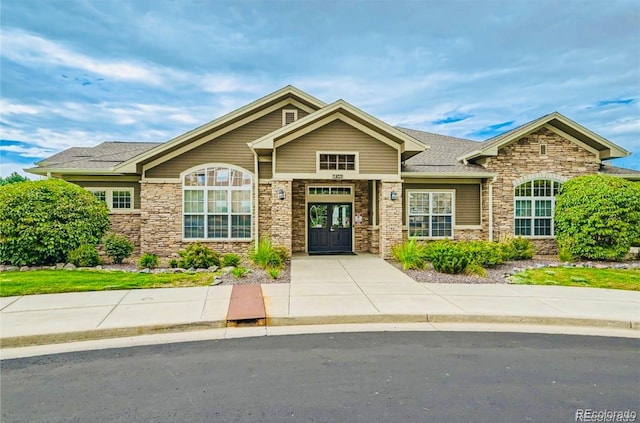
(337, 161)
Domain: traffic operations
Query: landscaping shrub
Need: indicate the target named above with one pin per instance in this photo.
(117, 247)
(173, 263)
(564, 254)
(198, 256)
(517, 249)
(148, 261)
(266, 255)
(597, 217)
(42, 221)
(85, 255)
(273, 272)
(447, 256)
(475, 270)
(230, 260)
(482, 253)
(239, 272)
(409, 254)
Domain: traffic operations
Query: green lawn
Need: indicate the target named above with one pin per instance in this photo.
(54, 281)
(577, 276)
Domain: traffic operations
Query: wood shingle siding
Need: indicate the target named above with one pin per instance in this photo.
(467, 201)
(230, 148)
(299, 155)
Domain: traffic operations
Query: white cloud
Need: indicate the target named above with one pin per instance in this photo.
(37, 152)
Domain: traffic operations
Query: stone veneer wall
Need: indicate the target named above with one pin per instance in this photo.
(522, 159)
(390, 217)
(127, 224)
(281, 215)
(374, 239)
(161, 223)
(264, 210)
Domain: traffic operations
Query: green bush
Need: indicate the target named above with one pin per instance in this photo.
(230, 259)
(482, 253)
(266, 255)
(447, 256)
(117, 247)
(148, 261)
(564, 254)
(198, 256)
(475, 270)
(42, 221)
(14, 178)
(239, 272)
(85, 255)
(173, 263)
(273, 272)
(517, 249)
(409, 254)
(597, 217)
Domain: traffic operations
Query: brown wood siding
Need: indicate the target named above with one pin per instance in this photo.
(114, 184)
(230, 148)
(467, 201)
(299, 155)
(265, 170)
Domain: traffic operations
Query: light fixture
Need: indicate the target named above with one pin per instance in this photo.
(393, 195)
(280, 194)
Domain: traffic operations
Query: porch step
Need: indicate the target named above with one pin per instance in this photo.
(246, 307)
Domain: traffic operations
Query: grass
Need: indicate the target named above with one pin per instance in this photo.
(628, 279)
(56, 281)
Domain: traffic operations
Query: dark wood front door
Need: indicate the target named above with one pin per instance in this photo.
(330, 229)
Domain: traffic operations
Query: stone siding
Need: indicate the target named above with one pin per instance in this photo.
(281, 214)
(390, 217)
(127, 224)
(522, 160)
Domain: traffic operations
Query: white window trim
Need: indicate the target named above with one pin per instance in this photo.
(284, 115)
(453, 212)
(532, 218)
(206, 189)
(331, 172)
(109, 197)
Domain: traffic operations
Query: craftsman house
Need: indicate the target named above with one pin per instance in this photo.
(329, 178)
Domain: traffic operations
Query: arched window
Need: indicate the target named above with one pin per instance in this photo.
(217, 203)
(534, 207)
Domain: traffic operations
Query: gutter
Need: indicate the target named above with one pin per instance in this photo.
(256, 197)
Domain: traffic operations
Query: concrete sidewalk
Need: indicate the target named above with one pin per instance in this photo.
(323, 290)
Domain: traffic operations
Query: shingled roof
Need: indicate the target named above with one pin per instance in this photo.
(102, 156)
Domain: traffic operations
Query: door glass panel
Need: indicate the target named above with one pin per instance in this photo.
(341, 216)
(318, 216)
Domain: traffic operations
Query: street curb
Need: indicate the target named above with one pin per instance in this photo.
(91, 335)
(59, 338)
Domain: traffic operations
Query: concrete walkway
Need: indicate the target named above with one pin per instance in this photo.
(323, 290)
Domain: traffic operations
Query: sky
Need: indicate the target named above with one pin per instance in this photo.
(80, 72)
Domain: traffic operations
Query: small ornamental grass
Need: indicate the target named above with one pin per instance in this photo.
(240, 272)
(268, 256)
(409, 254)
(230, 259)
(148, 261)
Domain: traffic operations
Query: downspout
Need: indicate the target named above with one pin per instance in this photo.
(493, 180)
(256, 197)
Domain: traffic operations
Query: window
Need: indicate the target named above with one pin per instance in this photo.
(116, 198)
(336, 161)
(543, 149)
(217, 204)
(316, 190)
(289, 116)
(430, 214)
(534, 207)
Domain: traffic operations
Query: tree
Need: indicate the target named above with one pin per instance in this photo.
(12, 179)
(597, 217)
(41, 221)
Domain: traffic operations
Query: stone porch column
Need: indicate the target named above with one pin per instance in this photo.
(281, 214)
(390, 217)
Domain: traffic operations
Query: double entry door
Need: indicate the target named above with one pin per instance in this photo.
(330, 227)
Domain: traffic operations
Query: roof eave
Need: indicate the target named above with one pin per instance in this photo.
(436, 175)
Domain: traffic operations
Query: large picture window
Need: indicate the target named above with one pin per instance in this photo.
(430, 214)
(217, 204)
(534, 207)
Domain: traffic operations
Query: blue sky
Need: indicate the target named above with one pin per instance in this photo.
(79, 72)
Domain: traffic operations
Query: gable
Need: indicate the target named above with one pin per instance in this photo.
(230, 147)
(300, 154)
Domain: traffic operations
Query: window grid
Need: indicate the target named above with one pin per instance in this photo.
(534, 207)
(430, 214)
(337, 162)
(117, 199)
(224, 196)
(329, 190)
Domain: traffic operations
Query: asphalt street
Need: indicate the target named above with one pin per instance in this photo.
(344, 377)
